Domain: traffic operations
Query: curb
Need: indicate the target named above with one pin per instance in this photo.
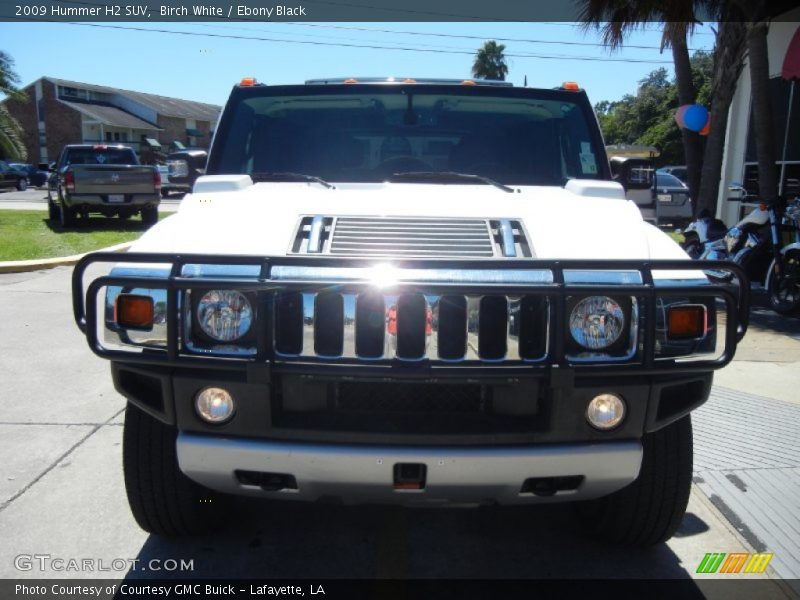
(24, 266)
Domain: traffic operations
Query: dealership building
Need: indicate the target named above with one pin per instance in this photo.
(59, 112)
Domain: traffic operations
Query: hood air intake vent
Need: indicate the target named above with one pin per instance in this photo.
(411, 237)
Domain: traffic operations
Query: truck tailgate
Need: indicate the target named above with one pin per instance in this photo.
(113, 179)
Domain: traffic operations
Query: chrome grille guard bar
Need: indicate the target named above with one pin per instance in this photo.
(548, 278)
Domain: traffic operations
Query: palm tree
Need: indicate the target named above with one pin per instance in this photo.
(617, 17)
(490, 62)
(758, 59)
(10, 130)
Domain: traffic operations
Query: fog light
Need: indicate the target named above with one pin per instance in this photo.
(214, 405)
(605, 411)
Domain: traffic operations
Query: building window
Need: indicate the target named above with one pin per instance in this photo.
(40, 109)
(108, 136)
(42, 139)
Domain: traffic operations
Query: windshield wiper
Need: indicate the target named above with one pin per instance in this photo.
(289, 176)
(451, 175)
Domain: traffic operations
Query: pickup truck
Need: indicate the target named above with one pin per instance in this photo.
(102, 179)
(418, 292)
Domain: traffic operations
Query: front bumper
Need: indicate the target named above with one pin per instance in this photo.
(454, 475)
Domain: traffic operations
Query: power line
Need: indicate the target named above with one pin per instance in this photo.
(363, 46)
(473, 37)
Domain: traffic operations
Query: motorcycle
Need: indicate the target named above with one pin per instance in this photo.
(783, 276)
(747, 243)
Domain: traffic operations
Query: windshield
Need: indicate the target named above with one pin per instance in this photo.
(374, 135)
(100, 156)
(667, 180)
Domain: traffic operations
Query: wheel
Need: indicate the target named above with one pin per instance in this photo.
(67, 216)
(784, 291)
(52, 210)
(164, 193)
(22, 184)
(150, 215)
(649, 510)
(162, 499)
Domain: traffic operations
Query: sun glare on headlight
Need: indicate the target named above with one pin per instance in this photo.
(596, 322)
(224, 315)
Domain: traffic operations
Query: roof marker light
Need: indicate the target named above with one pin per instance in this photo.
(571, 86)
(468, 82)
(351, 80)
(248, 82)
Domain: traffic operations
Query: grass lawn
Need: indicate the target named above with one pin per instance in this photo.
(676, 235)
(28, 234)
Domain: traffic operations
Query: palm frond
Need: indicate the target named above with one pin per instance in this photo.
(11, 134)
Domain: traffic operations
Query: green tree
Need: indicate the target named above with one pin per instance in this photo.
(11, 132)
(490, 62)
(648, 117)
(615, 18)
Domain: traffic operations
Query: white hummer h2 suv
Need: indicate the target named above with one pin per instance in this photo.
(418, 292)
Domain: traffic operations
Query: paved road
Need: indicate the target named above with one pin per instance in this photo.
(36, 199)
(61, 491)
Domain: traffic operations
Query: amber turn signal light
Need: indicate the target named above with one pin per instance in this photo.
(134, 312)
(686, 322)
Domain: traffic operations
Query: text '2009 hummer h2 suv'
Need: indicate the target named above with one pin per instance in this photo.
(416, 292)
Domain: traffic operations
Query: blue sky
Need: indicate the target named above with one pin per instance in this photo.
(203, 67)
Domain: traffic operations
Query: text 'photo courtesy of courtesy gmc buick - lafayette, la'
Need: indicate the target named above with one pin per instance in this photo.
(417, 292)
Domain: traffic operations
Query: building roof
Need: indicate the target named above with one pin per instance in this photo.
(110, 115)
(163, 105)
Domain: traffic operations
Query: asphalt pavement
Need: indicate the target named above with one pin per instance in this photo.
(36, 199)
(61, 488)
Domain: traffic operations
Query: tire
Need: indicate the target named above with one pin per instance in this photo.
(162, 499)
(784, 292)
(67, 216)
(164, 193)
(649, 510)
(52, 211)
(150, 215)
(22, 184)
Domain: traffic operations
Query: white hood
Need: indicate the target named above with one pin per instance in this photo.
(261, 219)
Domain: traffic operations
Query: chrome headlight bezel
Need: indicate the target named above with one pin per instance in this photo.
(198, 339)
(623, 344)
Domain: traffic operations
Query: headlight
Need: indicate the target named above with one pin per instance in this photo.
(596, 322)
(224, 315)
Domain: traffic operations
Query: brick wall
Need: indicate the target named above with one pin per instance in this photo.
(62, 124)
(174, 129)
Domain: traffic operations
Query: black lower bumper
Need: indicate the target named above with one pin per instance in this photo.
(355, 407)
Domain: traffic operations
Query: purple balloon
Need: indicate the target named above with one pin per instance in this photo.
(680, 114)
(695, 117)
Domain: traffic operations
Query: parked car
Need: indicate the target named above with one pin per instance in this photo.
(409, 292)
(674, 205)
(12, 177)
(662, 198)
(678, 171)
(184, 167)
(36, 177)
(102, 179)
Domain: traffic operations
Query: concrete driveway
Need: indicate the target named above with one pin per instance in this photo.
(61, 488)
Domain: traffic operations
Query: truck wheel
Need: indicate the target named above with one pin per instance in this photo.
(150, 215)
(649, 510)
(22, 184)
(164, 193)
(162, 499)
(67, 216)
